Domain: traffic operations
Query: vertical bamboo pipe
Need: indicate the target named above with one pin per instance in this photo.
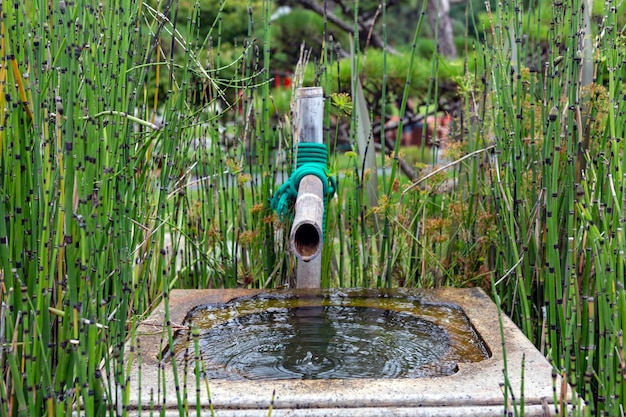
(307, 232)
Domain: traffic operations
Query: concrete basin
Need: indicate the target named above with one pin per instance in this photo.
(476, 389)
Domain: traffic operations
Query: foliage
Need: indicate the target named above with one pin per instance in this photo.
(559, 171)
(226, 23)
(299, 28)
(540, 13)
(79, 251)
(396, 69)
(130, 167)
(97, 223)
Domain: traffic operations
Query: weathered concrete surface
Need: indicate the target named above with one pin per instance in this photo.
(475, 390)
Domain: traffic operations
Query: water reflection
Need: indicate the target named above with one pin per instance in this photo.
(306, 354)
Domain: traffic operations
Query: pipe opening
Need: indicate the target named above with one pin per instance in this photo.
(306, 241)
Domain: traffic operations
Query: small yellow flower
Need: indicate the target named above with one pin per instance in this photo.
(243, 179)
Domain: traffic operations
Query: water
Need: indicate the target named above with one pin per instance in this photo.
(335, 335)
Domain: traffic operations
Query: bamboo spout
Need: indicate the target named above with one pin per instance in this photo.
(306, 231)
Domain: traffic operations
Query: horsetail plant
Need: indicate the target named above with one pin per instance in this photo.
(135, 160)
(558, 190)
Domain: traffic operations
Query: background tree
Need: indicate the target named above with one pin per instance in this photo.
(341, 13)
(299, 27)
(441, 24)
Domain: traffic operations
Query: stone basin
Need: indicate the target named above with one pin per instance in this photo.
(475, 388)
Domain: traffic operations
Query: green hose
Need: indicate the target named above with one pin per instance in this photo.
(312, 159)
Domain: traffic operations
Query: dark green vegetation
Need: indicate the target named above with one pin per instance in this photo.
(121, 178)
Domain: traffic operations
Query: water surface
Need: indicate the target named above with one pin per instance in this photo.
(334, 334)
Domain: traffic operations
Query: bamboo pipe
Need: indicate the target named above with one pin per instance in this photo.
(307, 232)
